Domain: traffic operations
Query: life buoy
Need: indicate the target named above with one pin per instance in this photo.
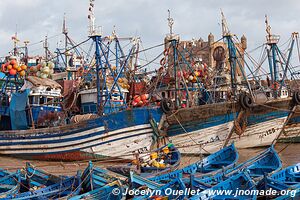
(296, 98)
(166, 105)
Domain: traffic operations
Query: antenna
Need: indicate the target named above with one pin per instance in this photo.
(15, 41)
(64, 29)
(92, 19)
(114, 33)
(271, 39)
(268, 27)
(225, 30)
(170, 22)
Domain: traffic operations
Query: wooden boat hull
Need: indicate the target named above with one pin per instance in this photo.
(291, 132)
(260, 134)
(264, 124)
(115, 135)
(207, 131)
(203, 129)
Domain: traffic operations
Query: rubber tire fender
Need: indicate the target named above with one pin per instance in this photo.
(166, 105)
(248, 101)
(296, 98)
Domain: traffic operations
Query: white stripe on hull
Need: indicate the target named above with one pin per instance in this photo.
(78, 144)
(101, 138)
(123, 148)
(79, 134)
(207, 140)
(260, 134)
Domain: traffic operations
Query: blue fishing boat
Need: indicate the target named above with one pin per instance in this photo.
(223, 159)
(4, 172)
(160, 161)
(102, 193)
(10, 184)
(118, 130)
(289, 175)
(237, 184)
(159, 190)
(34, 177)
(266, 162)
(284, 180)
(280, 189)
(119, 134)
(68, 187)
(295, 195)
(97, 183)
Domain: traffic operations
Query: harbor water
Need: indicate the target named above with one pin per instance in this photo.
(289, 154)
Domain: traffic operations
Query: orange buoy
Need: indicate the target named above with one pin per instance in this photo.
(144, 97)
(23, 67)
(137, 98)
(19, 69)
(3, 68)
(13, 62)
(15, 66)
(9, 67)
(12, 71)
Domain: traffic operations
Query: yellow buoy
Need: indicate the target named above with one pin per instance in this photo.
(153, 155)
(155, 164)
(166, 150)
(22, 73)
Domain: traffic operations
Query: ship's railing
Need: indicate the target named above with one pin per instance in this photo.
(273, 39)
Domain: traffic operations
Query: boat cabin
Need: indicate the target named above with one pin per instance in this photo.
(43, 100)
(116, 103)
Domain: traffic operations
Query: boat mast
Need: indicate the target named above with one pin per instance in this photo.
(134, 67)
(46, 48)
(232, 54)
(97, 40)
(65, 32)
(174, 43)
(272, 52)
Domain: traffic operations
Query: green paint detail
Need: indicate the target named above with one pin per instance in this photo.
(290, 140)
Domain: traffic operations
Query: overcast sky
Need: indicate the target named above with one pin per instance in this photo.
(33, 19)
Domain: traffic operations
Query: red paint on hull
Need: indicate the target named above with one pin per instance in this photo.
(66, 156)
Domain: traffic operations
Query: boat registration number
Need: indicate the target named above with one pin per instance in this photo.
(142, 150)
(268, 132)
